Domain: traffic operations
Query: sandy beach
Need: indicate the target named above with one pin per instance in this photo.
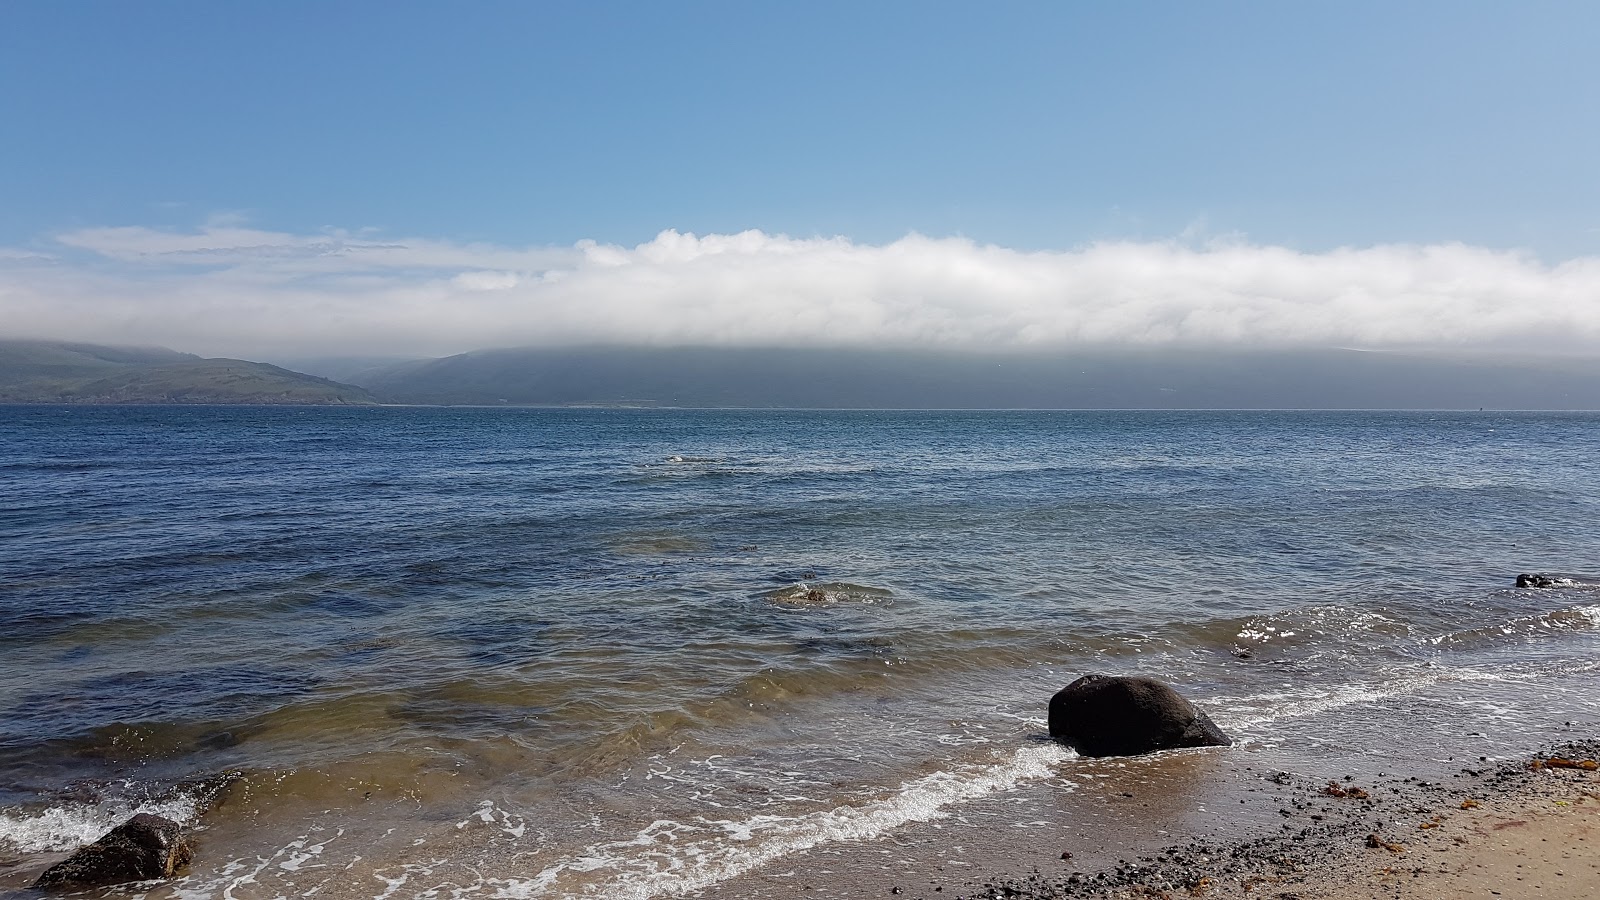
(1520, 829)
(1541, 843)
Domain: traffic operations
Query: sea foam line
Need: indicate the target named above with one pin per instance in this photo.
(666, 866)
(1253, 710)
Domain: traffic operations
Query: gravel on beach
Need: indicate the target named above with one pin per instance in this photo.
(1516, 829)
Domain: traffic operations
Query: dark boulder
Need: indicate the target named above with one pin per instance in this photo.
(1102, 715)
(1543, 580)
(144, 848)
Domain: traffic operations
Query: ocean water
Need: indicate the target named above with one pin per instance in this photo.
(413, 652)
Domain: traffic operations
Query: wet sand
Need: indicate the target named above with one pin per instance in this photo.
(1521, 829)
(1515, 828)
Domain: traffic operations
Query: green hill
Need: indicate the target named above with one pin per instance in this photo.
(59, 372)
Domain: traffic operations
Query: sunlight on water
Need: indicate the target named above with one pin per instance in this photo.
(635, 653)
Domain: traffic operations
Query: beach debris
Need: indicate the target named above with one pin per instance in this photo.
(1335, 789)
(1469, 803)
(1102, 715)
(1561, 762)
(144, 848)
(1376, 842)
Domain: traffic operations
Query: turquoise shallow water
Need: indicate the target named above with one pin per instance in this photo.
(616, 648)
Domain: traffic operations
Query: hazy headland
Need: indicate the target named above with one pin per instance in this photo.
(815, 378)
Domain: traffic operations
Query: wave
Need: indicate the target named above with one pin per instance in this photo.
(1318, 632)
(1250, 711)
(69, 826)
(671, 858)
(1571, 618)
(1324, 626)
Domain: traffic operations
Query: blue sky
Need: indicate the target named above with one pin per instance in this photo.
(1029, 126)
(1032, 125)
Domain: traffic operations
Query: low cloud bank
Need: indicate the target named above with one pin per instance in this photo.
(239, 291)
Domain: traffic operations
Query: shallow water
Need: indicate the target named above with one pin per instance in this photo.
(550, 653)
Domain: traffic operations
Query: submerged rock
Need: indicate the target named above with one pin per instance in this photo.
(144, 848)
(1103, 715)
(831, 593)
(1545, 580)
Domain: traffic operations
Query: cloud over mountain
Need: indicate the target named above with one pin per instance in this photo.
(236, 290)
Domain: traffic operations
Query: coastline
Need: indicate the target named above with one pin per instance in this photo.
(1516, 828)
(1526, 828)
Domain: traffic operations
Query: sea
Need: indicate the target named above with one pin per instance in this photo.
(397, 652)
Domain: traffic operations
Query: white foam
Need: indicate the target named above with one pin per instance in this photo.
(1252, 710)
(243, 878)
(73, 825)
(302, 853)
(1259, 709)
(1323, 621)
(508, 822)
(674, 858)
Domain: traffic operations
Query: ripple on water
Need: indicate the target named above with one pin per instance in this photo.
(394, 615)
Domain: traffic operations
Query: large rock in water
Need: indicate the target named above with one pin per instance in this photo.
(1103, 715)
(144, 848)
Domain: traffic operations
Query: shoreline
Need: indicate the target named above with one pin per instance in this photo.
(1510, 826)
(1516, 829)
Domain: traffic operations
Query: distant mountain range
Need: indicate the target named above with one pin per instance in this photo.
(56, 372)
(59, 372)
(900, 379)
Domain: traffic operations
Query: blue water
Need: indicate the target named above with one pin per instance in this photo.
(635, 616)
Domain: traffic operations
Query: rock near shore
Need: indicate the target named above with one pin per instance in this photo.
(144, 848)
(1547, 580)
(1102, 715)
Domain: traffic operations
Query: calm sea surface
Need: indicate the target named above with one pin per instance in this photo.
(640, 653)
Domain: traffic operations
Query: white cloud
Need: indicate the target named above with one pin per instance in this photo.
(235, 290)
(487, 280)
